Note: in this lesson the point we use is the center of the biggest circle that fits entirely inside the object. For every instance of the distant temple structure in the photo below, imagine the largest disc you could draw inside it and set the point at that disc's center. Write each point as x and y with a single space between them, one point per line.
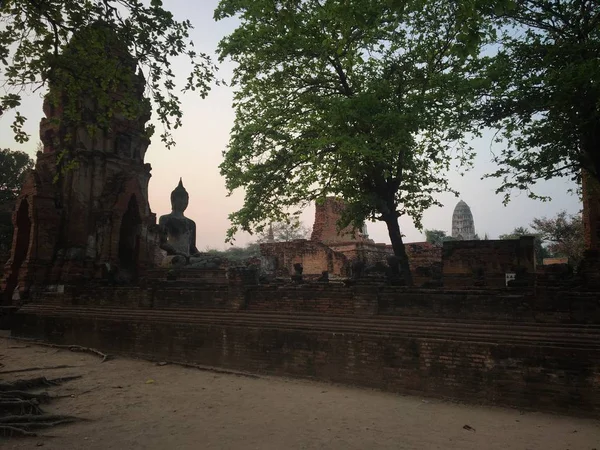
463 226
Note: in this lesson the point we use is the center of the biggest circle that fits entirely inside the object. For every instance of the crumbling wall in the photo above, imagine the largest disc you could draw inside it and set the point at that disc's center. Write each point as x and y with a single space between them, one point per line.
315 257
327 215
485 263
368 252
425 261
497 347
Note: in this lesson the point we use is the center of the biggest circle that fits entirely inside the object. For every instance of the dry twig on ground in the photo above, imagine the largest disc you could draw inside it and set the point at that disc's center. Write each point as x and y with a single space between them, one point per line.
73 348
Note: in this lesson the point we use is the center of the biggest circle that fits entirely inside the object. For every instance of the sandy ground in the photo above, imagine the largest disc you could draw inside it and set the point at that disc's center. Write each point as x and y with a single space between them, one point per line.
135 404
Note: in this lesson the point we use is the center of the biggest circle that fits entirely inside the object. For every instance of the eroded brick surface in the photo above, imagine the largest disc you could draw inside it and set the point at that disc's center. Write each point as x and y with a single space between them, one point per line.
72 225
507 347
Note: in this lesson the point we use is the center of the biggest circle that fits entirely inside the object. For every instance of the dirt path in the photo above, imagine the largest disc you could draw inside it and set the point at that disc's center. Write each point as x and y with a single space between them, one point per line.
136 404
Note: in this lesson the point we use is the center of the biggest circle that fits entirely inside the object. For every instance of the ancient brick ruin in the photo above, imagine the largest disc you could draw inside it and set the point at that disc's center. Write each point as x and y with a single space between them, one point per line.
532 349
461 263
486 263
333 250
325 228
94 217
83 261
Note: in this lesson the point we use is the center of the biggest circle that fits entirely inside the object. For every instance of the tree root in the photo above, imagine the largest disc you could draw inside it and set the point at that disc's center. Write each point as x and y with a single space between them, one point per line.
42 397
20 406
35 383
73 348
32 369
36 418
32 422
20 412
9 431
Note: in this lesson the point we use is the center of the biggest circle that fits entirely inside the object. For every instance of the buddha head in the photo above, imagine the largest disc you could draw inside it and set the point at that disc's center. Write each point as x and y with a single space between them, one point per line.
179 198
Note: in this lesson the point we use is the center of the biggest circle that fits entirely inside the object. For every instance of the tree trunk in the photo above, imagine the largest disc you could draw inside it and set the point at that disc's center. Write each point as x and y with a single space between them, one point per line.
398 246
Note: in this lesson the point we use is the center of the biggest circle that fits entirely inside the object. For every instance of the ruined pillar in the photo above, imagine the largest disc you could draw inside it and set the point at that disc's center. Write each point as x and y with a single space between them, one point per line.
590 266
325 227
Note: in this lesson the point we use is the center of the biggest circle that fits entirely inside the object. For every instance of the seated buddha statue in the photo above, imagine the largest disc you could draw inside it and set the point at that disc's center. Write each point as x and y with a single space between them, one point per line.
177 232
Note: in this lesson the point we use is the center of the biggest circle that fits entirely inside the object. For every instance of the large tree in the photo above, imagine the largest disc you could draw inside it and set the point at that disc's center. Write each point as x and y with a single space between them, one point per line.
541 252
362 100
564 234
34 34
284 231
437 237
13 166
542 90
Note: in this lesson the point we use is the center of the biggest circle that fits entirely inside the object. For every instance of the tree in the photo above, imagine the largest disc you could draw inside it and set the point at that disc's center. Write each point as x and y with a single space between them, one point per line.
237 254
13 166
283 232
437 237
361 100
541 252
565 235
542 92
37 33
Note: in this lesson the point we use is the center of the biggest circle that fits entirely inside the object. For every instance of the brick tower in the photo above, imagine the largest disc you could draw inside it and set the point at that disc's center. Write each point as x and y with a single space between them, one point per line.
73 224
325 228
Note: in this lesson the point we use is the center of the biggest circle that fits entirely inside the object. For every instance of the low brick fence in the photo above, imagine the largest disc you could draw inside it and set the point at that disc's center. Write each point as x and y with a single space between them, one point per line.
507 347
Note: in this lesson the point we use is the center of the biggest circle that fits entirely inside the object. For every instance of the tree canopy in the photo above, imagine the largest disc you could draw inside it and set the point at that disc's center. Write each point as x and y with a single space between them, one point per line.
437 237
13 167
363 100
541 251
284 231
564 234
35 34
542 90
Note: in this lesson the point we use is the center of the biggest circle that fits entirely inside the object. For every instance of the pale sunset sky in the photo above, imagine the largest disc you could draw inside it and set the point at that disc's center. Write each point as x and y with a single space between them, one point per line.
205 134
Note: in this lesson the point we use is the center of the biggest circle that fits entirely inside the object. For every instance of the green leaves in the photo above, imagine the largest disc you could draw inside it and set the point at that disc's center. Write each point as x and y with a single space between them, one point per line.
364 100
13 166
541 90
37 34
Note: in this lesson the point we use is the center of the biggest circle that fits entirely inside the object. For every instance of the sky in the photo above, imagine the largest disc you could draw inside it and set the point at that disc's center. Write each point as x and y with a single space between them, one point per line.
204 135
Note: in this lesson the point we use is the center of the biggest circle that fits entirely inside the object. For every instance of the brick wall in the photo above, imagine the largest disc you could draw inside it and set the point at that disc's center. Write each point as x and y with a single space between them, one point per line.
547 368
327 215
548 305
425 262
485 263
322 299
516 347
315 258
368 252
279 257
